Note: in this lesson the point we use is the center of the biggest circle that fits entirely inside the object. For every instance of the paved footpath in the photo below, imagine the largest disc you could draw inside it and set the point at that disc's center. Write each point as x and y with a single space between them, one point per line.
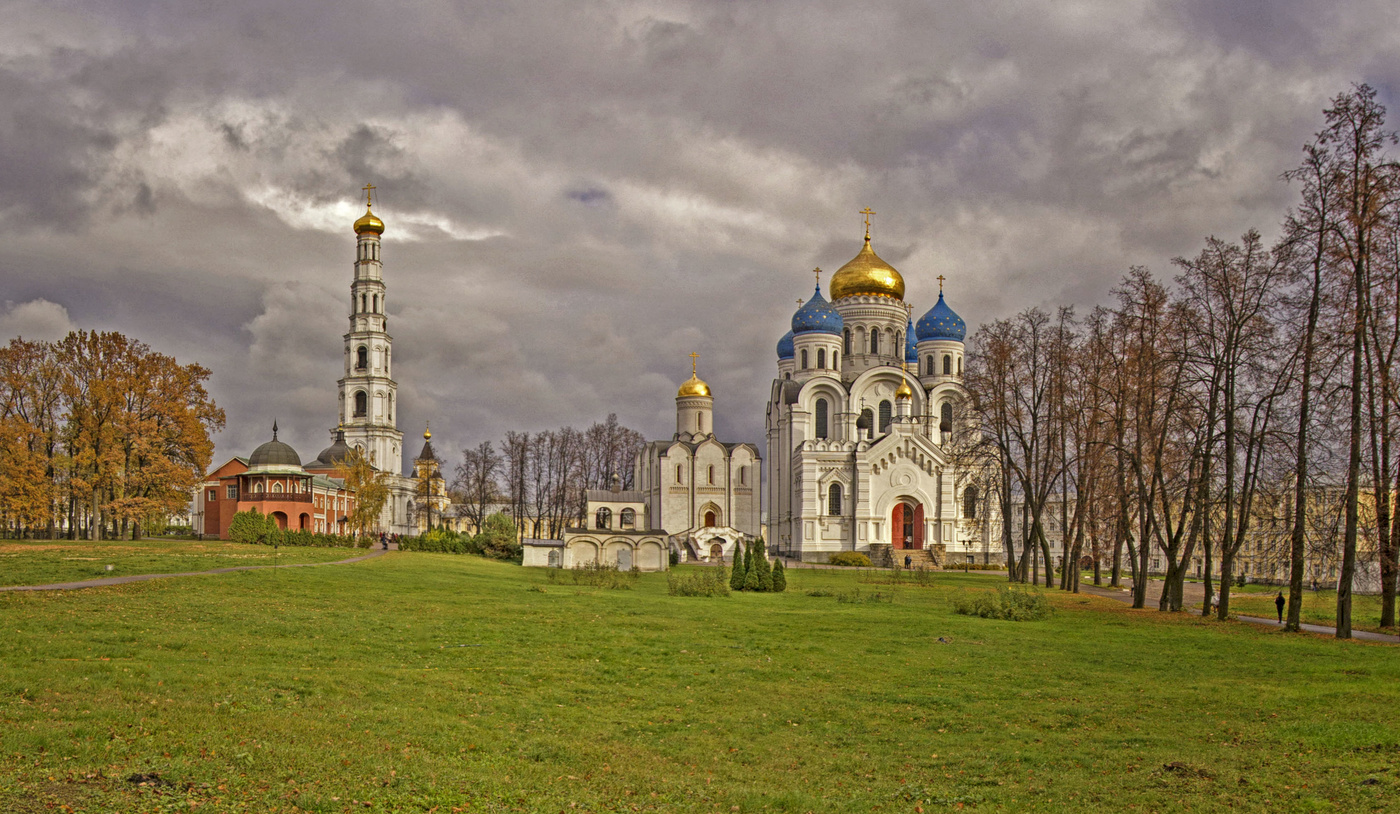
1195 594
97 583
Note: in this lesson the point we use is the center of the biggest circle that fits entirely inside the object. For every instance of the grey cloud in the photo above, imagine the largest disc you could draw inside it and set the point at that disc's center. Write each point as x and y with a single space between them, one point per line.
578 195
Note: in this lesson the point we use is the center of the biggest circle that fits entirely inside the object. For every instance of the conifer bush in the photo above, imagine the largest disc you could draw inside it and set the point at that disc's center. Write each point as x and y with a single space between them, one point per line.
737 573
779 576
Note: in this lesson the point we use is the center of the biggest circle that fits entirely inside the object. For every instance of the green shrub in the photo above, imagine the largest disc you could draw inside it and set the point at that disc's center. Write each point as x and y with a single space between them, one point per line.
702 582
751 582
599 575
249 526
779 577
737 574
499 539
1012 605
850 558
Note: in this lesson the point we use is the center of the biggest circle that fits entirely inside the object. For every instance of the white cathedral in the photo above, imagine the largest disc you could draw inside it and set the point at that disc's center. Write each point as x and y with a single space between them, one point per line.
859 425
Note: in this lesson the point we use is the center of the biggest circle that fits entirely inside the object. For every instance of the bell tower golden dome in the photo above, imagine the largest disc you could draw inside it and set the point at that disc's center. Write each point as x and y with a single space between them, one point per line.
866 274
368 222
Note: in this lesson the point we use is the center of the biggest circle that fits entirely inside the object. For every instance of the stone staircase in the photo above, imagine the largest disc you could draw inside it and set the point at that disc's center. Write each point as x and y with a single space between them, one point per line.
883 555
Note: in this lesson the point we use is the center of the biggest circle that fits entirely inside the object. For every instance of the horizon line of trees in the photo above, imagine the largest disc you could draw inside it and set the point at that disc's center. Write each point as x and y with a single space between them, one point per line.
543 477
100 436
1258 378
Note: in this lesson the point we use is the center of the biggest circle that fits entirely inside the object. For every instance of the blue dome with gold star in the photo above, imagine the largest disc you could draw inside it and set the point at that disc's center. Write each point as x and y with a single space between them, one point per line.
785 347
941 322
817 316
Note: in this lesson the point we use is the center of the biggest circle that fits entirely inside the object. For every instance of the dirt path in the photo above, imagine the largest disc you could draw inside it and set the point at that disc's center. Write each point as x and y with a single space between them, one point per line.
97 583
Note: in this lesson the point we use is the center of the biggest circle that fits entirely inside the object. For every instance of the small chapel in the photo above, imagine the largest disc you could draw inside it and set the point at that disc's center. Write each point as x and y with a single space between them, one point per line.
860 422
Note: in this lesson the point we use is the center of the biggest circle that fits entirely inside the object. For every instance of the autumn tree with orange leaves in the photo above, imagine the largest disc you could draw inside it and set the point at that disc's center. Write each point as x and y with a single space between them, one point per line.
100 430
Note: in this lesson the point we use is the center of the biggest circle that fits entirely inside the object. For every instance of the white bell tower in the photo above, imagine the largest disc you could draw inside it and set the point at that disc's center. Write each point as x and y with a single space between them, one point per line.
368 398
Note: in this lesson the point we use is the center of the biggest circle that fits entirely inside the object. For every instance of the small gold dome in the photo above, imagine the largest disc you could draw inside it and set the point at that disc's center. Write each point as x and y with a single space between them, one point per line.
867 274
369 223
427 433
904 391
693 386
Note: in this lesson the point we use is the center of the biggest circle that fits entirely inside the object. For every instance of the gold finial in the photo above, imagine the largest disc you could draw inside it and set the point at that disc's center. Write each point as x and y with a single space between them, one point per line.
941 278
369 194
427 431
799 302
867 212
693 357
818 271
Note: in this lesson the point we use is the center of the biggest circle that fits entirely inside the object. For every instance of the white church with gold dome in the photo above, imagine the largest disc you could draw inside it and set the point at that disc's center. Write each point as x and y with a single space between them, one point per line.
860 423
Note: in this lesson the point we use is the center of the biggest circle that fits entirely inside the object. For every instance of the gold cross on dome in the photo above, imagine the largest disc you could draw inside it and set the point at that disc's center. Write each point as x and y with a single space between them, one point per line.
369 194
941 278
693 357
867 212
799 302
818 271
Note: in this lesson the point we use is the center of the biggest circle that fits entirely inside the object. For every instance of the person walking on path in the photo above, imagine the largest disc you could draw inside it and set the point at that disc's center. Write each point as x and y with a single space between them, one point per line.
1279 602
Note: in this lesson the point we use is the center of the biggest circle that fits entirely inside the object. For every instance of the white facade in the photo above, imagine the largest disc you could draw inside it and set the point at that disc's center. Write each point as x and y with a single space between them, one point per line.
702 492
858 456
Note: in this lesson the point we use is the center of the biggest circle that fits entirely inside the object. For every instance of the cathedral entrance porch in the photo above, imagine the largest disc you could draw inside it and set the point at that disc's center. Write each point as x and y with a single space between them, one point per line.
907 525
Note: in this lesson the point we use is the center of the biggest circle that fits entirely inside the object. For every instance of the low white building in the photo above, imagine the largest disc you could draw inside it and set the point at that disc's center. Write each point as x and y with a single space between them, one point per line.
618 533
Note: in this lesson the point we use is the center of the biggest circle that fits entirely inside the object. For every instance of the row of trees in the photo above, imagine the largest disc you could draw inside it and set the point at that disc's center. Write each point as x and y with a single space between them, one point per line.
542 477
1261 379
99 435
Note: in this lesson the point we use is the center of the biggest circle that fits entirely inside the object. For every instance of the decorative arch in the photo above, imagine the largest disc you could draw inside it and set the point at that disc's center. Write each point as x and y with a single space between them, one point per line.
361 357
823 428
821 358
947 365
628 519
361 404
833 500
711 516
603 519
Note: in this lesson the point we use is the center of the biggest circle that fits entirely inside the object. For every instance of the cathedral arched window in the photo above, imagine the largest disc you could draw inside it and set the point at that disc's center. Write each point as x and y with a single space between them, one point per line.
679 473
375 301
959 365
970 503
712 476
804 358
874 340
929 365
362 303
629 518
947 365
743 476
898 339
361 358
886 415
833 500
945 417
835 360
867 417
603 519
699 422
277 488
845 344
822 430
361 403
821 358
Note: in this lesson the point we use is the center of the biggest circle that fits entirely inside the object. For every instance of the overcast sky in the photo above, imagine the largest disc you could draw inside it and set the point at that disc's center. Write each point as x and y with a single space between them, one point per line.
579 194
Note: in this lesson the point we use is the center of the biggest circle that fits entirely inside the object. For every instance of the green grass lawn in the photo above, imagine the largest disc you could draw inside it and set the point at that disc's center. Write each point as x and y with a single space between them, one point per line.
420 682
43 562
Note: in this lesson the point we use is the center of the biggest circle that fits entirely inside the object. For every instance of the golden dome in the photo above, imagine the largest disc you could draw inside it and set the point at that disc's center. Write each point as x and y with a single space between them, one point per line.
369 223
693 386
867 274
427 432
904 391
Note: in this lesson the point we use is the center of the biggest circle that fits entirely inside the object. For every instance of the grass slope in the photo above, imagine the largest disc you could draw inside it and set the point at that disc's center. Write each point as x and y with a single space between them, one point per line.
420 682
45 562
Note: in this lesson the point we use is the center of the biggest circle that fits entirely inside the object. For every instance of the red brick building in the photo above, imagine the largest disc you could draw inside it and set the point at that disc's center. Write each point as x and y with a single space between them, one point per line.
273 481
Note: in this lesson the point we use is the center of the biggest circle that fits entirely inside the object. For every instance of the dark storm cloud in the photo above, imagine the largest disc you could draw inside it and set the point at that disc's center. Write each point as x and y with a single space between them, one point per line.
580 194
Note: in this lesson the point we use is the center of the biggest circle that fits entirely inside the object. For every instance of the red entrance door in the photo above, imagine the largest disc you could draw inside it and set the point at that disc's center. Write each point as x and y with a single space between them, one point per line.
908 526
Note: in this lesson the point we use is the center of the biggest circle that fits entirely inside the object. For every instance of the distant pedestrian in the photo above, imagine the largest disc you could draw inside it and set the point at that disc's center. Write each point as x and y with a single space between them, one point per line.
908 560
1279 602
